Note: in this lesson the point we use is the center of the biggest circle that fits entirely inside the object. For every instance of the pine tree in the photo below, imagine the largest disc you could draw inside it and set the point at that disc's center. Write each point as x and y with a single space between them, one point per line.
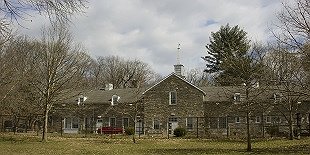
225 44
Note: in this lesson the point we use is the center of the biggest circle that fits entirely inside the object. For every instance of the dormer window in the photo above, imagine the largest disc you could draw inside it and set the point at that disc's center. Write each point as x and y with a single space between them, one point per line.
114 100
172 98
237 97
277 97
81 99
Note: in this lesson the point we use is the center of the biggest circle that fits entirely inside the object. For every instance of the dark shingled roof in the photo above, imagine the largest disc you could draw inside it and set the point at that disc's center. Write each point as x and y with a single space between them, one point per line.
128 95
219 94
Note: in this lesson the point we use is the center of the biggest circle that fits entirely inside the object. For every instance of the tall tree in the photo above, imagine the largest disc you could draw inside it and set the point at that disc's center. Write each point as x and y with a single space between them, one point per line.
225 43
247 71
58 67
288 80
291 58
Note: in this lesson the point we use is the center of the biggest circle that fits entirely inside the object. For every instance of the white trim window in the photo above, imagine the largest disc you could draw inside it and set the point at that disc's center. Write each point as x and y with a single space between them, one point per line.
277 97
268 119
172 98
257 119
125 122
112 121
190 123
71 123
237 119
222 122
156 124
114 100
81 99
237 97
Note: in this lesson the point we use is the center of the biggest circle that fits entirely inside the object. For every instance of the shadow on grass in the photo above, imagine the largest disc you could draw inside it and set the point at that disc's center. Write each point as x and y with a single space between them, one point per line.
192 151
296 149
300 149
19 139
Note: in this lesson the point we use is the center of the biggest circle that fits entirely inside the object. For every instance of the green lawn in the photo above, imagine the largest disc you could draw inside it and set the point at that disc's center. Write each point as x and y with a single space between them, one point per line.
30 144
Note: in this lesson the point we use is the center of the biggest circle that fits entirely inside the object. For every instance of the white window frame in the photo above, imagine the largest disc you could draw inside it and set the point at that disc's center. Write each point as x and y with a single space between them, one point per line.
237 119
192 123
114 100
156 120
123 122
222 122
237 97
110 121
277 97
170 98
268 119
258 119
70 122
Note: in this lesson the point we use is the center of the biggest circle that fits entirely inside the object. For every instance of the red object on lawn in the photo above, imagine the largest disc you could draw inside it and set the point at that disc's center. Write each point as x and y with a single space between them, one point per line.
110 130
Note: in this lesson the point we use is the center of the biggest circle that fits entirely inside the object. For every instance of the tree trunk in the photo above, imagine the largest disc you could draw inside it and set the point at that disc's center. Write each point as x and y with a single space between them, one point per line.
134 133
291 126
44 134
249 146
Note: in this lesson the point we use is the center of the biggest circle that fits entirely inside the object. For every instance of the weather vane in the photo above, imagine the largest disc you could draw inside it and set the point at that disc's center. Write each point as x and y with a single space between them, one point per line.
178 54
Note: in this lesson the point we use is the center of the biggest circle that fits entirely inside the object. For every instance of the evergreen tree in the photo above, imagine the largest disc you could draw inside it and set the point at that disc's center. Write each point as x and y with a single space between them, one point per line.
224 44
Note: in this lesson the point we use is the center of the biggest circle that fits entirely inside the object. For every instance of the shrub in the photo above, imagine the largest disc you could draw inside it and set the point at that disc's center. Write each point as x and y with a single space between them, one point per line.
129 131
179 132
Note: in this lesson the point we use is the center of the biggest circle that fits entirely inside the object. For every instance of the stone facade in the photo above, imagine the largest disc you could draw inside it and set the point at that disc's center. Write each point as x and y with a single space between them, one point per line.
160 112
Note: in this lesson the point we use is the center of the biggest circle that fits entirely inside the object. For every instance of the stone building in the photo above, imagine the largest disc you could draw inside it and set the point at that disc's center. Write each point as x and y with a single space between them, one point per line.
174 102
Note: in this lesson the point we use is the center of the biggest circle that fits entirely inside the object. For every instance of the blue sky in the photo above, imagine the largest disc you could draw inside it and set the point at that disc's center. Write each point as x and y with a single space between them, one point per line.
150 30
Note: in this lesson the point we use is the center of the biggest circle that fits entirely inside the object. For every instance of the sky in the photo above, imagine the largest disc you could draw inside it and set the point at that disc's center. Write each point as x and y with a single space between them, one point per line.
150 30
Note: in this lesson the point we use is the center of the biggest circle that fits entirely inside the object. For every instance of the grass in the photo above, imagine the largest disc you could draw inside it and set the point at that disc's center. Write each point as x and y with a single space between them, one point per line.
24 144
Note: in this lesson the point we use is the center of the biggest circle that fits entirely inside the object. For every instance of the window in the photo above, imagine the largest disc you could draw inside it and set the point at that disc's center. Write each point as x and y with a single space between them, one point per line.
277 97
156 124
213 122
75 123
237 119
71 123
115 99
112 121
268 119
173 119
68 123
237 97
125 122
257 119
222 122
81 99
189 123
172 97
106 121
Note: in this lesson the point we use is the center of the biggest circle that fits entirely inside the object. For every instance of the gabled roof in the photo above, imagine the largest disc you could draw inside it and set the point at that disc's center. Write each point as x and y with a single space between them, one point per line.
173 74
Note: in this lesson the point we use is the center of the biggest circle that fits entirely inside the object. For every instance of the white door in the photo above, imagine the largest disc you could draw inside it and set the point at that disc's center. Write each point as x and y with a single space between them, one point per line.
173 124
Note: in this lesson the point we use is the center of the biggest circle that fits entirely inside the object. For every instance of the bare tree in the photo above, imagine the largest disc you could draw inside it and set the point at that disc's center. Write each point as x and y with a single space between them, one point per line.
288 80
247 70
294 27
124 73
198 77
58 67
56 10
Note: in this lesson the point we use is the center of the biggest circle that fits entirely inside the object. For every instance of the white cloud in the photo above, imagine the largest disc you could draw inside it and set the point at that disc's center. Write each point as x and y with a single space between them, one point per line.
151 30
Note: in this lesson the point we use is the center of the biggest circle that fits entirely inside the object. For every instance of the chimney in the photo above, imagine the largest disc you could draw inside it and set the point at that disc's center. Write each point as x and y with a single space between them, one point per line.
179 70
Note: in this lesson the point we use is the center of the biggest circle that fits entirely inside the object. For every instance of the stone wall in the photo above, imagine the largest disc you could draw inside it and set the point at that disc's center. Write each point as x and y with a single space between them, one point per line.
156 102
